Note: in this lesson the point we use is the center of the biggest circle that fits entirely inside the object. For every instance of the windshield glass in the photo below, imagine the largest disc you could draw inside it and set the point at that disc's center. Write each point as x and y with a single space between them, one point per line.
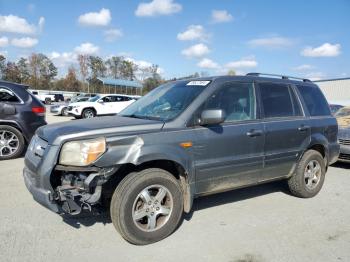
94 99
165 102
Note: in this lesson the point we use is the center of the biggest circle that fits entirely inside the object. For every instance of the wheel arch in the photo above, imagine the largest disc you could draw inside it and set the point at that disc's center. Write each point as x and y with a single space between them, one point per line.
16 125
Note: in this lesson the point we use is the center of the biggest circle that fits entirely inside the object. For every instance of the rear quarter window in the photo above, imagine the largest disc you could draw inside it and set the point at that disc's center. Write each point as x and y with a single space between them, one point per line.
314 100
8 96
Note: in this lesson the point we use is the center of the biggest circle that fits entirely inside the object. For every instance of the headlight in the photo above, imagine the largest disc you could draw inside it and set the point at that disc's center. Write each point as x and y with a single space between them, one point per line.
82 153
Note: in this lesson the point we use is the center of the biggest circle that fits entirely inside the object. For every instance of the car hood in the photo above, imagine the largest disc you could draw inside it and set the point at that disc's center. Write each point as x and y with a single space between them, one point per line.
86 103
54 134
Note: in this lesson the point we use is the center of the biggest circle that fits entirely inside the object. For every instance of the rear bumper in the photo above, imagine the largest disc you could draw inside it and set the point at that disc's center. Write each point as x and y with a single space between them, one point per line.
42 196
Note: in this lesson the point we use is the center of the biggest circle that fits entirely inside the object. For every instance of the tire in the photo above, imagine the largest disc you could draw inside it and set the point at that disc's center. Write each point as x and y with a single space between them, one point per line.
47 101
88 113
17 141
306 182
64 111
127 196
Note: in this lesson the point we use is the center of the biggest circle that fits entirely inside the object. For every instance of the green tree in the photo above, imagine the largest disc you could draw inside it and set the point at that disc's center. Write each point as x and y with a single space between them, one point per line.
71 81
231 72
97 67
114 65
127 70
23 68
12 73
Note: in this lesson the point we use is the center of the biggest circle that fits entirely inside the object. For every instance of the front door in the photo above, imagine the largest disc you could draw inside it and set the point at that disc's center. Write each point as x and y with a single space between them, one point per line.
287 131
230 155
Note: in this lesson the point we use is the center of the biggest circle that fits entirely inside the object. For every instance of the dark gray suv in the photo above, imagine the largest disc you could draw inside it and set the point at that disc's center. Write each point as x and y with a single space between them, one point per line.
21 113
183 140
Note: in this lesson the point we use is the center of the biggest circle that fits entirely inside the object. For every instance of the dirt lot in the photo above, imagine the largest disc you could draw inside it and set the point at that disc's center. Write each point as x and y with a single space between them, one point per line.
262 223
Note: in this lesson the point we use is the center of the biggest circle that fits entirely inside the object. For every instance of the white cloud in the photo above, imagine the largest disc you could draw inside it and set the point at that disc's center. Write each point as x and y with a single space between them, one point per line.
87 49
3 53
244 63
15 24
64 59
24 42
198 50
112 34
207 64
221 16
102 18
271 42
303 67
158 7
314 76
325 50
4 41
41 23
193 32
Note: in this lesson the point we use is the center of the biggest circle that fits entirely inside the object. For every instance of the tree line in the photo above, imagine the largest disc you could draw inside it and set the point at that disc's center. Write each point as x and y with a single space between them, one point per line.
39 72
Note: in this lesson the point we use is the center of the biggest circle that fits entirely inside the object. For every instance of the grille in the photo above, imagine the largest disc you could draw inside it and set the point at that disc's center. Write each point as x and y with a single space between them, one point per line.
70 108
344 142
344 156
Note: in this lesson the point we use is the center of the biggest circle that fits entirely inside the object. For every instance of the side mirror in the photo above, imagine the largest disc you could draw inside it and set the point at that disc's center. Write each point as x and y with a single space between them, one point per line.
212 117
100 101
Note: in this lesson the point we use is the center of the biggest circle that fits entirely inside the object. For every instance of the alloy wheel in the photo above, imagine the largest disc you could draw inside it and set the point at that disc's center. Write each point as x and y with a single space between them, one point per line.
9 143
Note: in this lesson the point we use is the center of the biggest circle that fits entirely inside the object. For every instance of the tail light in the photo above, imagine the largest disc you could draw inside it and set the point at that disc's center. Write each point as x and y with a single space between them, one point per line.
39 110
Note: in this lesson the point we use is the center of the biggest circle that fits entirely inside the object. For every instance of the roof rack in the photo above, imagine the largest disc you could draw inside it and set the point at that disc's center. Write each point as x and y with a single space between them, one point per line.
281 76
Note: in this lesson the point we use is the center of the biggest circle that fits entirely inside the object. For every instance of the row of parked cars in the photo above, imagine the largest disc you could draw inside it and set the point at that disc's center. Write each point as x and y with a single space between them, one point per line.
91 105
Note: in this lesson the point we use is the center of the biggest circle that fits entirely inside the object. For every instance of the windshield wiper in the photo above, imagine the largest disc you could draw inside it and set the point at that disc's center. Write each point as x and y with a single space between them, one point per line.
144 117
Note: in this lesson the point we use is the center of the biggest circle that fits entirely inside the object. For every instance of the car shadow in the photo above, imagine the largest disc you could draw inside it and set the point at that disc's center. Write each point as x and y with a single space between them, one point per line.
101 215
237 195
343 165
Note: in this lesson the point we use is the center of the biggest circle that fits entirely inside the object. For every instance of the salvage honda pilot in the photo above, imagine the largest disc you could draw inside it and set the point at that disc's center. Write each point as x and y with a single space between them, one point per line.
183 140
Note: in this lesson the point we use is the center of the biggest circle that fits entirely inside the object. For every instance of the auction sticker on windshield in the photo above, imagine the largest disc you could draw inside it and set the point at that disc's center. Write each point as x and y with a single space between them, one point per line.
198 83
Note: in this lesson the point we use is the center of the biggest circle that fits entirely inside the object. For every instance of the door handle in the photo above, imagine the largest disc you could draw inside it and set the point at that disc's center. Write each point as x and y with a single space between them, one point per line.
303 128
254 133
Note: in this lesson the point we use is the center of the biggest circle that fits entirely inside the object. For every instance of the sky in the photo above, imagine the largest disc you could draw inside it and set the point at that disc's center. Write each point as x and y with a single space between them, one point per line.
300 38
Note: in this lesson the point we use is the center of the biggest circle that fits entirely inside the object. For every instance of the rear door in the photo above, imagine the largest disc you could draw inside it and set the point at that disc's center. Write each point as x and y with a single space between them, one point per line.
287 131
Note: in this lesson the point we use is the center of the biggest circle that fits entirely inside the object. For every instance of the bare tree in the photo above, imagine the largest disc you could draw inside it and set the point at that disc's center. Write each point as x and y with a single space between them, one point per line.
84 68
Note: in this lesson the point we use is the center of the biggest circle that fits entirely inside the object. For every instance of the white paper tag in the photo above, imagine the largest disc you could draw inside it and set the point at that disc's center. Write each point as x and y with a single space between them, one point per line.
198 83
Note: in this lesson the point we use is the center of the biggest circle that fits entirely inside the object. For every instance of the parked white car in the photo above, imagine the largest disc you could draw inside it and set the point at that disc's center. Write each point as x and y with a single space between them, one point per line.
100 105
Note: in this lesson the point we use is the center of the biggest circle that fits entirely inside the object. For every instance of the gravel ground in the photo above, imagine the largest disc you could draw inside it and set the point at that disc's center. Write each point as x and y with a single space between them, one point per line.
262 223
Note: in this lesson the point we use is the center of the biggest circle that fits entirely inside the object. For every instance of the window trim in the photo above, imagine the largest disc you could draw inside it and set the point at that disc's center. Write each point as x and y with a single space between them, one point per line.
229 123
290 89
20 101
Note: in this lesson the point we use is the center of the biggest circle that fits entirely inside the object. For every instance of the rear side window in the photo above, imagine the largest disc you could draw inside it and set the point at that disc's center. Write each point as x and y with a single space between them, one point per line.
315 102
8 96
279 100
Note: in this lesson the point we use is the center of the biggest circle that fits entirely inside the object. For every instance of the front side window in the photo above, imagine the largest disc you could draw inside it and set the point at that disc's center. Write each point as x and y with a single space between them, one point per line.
278 100
315 102
236 99
8 96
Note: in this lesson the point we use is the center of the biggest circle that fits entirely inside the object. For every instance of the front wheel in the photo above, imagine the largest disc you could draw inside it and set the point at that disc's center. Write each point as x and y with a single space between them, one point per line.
309 176
147 206
64 111
88 113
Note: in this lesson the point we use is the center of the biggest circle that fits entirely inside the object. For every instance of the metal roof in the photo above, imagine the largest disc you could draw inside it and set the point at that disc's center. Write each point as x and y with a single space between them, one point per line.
119 82
333 79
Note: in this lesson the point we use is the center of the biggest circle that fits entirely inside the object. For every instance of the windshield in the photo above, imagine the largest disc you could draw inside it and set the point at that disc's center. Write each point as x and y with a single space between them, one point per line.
94 99
165 102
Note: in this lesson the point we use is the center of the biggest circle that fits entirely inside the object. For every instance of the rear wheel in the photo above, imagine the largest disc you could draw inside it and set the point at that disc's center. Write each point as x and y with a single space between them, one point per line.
88 113
11 143
147 206
309 176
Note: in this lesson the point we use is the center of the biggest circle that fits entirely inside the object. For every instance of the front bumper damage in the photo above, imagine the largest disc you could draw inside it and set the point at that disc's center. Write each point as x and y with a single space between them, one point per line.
72 191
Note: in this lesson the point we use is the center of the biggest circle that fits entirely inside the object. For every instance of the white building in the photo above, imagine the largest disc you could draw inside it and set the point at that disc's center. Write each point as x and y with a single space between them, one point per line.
337 91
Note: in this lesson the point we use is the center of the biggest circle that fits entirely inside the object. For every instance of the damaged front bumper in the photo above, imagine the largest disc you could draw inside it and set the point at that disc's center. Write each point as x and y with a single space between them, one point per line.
75 190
